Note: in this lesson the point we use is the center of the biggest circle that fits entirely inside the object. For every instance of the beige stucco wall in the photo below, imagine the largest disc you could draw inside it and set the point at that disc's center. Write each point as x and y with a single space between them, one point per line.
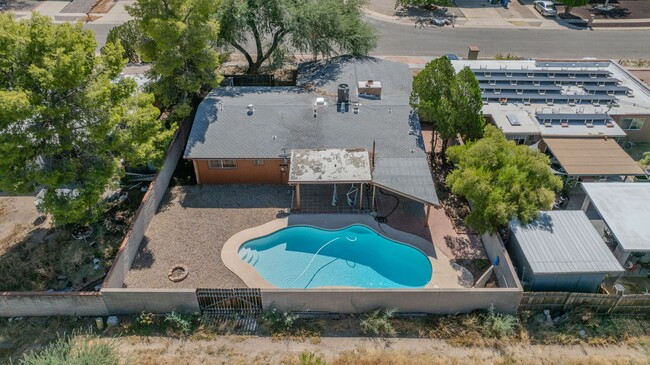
24 304
124 300
435 301
641 135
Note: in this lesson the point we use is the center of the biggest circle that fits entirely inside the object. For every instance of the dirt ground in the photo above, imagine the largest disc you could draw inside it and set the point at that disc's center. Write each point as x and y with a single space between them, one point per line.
191 226
18 216
355 350
36 256
622 9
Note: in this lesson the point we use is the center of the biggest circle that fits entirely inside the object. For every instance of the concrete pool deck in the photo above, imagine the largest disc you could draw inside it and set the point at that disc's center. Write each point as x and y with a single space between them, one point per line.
445 274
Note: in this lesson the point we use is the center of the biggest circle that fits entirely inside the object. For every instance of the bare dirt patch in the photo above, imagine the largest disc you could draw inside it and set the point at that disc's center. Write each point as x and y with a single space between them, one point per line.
36 256
621 9
103 6
18 216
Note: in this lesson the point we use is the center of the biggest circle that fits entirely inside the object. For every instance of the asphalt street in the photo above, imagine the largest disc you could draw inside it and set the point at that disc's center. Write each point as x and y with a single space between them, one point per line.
405 40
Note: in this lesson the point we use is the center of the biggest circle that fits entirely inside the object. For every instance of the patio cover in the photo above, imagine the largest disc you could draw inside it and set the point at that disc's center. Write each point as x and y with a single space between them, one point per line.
592 157
625 208
317 166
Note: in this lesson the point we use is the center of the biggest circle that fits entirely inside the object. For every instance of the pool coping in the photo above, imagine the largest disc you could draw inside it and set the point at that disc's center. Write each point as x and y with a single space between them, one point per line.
253 279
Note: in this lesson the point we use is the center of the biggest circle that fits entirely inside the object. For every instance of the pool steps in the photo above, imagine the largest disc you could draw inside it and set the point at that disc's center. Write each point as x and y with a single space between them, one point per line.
248 255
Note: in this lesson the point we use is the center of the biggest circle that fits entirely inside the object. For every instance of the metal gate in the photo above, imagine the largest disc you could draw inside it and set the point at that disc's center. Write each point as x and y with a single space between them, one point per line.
229 302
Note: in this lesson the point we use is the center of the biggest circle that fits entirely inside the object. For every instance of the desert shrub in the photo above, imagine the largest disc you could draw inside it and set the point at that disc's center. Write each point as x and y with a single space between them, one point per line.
64 351
178 322
378 322
310 358
279 322
146 319
499 325
508 56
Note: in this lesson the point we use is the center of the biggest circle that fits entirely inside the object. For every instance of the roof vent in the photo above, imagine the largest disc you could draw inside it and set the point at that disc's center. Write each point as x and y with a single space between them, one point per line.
370 88
343 95
250 109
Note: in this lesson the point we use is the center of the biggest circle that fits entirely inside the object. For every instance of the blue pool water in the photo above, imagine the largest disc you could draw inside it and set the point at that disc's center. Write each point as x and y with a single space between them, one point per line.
357 256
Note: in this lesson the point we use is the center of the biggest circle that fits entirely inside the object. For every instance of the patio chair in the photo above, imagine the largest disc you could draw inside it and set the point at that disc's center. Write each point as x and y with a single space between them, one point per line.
352 200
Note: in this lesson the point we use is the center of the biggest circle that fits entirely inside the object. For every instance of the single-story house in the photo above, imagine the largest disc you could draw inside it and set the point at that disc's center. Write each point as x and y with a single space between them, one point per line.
534 99
623 209
347 122
560 251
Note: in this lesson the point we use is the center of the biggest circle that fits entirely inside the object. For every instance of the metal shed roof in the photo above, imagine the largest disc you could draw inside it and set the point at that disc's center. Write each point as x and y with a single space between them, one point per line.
564 242
592 157
625 207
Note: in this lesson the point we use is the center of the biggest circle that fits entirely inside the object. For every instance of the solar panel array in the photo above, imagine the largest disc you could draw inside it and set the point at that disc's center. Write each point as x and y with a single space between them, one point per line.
543 86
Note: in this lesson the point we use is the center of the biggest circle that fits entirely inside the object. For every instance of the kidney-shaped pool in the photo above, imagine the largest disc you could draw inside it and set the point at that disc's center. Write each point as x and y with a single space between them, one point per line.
356 256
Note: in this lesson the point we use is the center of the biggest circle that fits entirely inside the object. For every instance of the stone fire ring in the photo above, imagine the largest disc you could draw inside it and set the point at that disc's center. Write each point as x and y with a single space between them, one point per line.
181 277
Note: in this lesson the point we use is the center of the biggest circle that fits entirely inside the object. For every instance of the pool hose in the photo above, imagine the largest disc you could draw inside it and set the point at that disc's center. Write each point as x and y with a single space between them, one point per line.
384 219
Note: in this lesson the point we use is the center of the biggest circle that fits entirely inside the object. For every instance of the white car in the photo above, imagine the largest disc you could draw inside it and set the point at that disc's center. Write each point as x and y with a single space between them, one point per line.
546 8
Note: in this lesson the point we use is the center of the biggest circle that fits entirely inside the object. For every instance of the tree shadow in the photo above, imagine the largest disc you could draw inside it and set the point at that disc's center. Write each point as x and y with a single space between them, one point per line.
615 13
465 247
144 259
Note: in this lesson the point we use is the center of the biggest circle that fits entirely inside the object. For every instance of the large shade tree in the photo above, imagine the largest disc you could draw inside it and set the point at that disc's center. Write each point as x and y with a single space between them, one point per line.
451 102
178 40
502 180
67 121
271 27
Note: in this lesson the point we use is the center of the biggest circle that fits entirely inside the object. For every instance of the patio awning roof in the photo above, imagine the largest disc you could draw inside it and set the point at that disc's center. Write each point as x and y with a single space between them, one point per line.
625 207
592 157
317 166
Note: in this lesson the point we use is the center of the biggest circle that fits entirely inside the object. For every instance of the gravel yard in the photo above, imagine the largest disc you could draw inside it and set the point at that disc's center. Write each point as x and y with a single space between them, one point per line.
191 226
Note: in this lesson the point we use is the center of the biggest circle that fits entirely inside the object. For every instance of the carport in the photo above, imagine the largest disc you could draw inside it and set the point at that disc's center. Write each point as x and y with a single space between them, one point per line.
591 157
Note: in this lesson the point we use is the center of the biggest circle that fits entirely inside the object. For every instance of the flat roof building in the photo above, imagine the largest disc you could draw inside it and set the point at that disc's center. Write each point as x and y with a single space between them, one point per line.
562 99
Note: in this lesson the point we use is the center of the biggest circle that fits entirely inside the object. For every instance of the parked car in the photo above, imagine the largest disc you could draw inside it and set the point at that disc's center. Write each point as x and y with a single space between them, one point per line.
546 8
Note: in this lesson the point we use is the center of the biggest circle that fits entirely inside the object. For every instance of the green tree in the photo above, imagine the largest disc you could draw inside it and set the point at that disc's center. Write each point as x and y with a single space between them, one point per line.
422 3
452 102
66 119
320 27
502 180
179 38
570 4
646 159
131 38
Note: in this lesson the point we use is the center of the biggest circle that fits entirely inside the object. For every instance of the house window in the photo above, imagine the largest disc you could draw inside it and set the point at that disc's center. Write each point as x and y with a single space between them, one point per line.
632 123
222 164
258 162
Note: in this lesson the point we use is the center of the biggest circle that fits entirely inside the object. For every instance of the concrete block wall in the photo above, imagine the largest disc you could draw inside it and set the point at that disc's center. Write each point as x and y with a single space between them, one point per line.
505 271
435 301
125 300
146 211
25 304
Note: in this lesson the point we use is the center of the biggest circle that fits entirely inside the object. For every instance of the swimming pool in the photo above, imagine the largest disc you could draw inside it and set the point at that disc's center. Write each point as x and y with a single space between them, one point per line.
356 256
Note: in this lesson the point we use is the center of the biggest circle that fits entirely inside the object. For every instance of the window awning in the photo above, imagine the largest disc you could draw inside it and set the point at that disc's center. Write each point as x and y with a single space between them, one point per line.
592 157
317 166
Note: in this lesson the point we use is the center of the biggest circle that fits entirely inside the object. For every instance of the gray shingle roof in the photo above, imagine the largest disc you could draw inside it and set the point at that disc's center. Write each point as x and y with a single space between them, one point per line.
283 119
564 242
